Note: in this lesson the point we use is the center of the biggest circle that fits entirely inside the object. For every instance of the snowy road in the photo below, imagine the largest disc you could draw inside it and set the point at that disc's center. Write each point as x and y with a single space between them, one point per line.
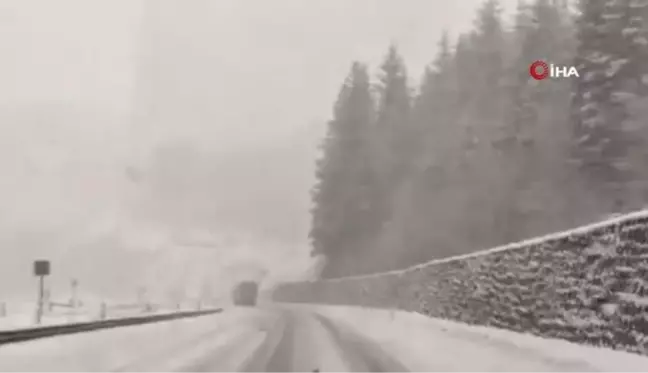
301 338
270 339
309 342
165 346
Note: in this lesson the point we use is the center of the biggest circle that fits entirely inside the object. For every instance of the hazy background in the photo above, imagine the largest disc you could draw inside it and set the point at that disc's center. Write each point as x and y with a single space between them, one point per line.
171 143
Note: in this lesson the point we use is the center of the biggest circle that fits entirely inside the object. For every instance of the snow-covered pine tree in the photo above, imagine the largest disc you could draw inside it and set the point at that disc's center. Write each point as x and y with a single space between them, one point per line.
398 146
342 215
395 129
599 142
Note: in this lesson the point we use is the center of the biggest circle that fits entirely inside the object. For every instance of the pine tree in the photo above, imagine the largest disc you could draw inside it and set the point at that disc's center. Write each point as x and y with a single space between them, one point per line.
433 111
480 64
343 216
610 60
489 45
534 120
466 67
513 140
629 22
485 109
395 130
398 145
522 111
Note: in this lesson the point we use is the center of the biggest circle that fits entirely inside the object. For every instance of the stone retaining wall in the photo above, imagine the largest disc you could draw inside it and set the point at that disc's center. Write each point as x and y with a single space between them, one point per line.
588 285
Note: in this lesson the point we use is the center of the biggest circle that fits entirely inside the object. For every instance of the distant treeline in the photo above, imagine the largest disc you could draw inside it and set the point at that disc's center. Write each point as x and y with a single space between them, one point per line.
479 153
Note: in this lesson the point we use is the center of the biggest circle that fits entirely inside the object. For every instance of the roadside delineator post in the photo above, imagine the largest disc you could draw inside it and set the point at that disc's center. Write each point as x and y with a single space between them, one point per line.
74 286
103 311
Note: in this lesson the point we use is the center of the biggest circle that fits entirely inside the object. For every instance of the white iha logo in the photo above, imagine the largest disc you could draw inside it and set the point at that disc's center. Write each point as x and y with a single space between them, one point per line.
540 70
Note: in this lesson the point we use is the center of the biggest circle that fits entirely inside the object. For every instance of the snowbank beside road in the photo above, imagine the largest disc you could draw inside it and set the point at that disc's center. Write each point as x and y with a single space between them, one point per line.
27 320
429 344
23 315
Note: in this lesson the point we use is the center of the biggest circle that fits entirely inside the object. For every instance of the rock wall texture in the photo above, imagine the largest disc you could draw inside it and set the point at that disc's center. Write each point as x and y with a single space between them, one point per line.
588 285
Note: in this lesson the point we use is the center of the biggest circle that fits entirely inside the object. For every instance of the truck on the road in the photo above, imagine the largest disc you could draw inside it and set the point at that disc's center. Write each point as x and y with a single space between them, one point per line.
245 293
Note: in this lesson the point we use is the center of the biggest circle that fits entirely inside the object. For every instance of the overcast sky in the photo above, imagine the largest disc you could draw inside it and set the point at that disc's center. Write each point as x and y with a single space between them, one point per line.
84 50
229 75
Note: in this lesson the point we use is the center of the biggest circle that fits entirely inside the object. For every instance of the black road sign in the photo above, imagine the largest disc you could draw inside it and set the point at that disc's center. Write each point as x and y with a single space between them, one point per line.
41 267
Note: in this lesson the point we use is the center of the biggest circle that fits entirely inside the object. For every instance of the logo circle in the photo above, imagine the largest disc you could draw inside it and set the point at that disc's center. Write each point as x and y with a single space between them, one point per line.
533 70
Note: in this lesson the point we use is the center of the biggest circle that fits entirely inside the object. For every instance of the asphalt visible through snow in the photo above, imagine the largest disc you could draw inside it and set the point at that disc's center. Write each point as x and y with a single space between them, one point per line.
302 341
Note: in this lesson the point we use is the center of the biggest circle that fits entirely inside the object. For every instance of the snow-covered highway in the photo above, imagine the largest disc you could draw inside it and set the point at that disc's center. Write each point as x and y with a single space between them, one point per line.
306 338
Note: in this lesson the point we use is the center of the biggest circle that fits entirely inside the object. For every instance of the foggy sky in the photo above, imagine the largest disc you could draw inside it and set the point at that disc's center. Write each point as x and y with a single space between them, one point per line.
267 71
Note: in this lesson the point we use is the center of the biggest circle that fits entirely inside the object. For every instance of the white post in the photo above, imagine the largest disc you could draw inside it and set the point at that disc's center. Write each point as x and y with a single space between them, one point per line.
73 293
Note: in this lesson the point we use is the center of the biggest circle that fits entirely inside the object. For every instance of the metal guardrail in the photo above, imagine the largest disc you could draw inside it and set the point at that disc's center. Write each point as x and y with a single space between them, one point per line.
22 335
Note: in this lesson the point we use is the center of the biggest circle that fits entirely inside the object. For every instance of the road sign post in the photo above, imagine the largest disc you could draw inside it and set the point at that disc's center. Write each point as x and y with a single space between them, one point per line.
41 269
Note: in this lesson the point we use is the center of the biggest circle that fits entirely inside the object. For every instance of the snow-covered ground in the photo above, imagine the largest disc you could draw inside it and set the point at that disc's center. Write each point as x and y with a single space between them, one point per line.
165 346
23 314
420 343
427 344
